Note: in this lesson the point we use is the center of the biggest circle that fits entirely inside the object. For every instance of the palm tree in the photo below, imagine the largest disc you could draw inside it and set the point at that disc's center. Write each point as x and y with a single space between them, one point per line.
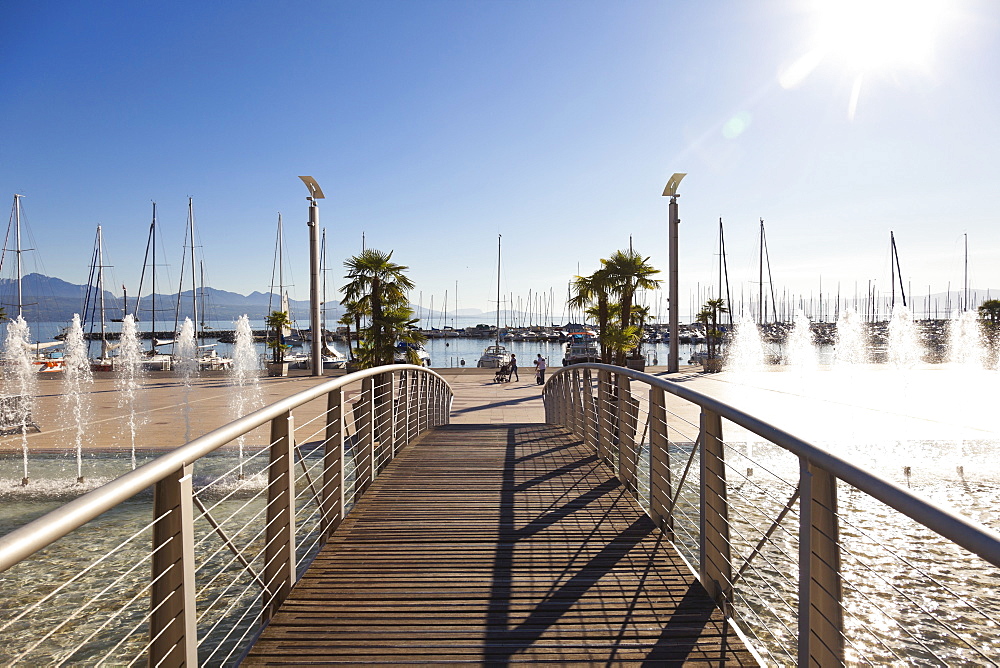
353 313
277 322
400 320
377 284
709 316
594 291
627 272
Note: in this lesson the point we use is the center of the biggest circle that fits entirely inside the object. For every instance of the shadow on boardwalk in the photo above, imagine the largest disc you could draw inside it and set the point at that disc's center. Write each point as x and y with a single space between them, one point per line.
498 544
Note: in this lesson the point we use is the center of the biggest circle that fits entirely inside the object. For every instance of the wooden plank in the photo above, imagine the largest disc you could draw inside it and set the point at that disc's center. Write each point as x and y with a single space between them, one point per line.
497 544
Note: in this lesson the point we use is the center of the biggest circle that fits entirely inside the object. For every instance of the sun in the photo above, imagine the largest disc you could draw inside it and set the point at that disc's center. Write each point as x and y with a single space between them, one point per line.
871 35
865 37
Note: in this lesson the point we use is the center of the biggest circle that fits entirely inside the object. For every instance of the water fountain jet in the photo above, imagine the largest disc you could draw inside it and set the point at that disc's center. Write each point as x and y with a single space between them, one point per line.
186 363
78 378
19 373
128 375
244 376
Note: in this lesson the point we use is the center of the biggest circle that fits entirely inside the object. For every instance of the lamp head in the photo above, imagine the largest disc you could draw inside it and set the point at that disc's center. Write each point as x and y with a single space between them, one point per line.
314 190
671 188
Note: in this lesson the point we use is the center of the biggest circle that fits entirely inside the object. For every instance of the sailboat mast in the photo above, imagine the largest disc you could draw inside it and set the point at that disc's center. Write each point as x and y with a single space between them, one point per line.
322 265
194 276
499 237
896 271
17 252
152 331
966 271
724 271
892 267
100 290
281 262
760 279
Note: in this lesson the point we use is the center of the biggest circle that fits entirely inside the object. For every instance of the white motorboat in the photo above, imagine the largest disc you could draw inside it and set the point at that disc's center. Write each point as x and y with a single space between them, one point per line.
333 359
581 348
402 354
493 357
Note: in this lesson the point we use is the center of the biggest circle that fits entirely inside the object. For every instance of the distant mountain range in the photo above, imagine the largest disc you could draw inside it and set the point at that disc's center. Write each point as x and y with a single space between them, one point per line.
49 299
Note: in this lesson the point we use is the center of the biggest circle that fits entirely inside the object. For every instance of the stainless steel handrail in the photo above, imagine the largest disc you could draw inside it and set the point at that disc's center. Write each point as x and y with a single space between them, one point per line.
972 536
28 539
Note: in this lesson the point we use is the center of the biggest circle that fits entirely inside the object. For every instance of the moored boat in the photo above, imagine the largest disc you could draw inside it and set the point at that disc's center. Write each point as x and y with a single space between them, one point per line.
581 348
493 357
405 352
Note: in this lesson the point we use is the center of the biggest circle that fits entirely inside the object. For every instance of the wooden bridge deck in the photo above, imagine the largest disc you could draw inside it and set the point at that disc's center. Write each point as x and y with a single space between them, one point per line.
498 544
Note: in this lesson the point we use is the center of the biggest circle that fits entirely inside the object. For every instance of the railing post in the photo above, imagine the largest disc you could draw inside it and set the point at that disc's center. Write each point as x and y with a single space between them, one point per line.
432 402
821 618
279 549
421 401
449 402
589 419
660 487
333 464
566 400
392 417
365 462
173 627
382 419
575 414
604 415
551 395
716 564
628 409
412 383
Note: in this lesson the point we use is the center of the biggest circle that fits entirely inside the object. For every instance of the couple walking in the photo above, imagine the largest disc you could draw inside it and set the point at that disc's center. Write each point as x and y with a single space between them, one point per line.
539 369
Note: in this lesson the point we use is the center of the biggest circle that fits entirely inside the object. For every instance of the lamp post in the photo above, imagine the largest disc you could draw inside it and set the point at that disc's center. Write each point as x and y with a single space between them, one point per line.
673 364
315 193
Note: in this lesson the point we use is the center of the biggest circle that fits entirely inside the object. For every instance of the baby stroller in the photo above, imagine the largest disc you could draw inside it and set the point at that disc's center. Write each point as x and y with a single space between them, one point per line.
503 374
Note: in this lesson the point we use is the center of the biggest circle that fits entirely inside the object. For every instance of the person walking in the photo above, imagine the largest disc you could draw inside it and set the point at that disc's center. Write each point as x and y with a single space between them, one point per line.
513 369
539 370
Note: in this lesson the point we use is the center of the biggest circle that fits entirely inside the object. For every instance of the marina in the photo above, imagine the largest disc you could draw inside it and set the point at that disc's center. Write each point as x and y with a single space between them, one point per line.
511 387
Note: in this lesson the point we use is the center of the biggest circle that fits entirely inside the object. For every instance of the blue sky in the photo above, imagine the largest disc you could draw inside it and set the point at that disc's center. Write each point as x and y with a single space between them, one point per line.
433 126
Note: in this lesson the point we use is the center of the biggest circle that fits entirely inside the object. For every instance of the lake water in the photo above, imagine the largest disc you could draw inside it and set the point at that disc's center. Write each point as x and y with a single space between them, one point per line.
445 353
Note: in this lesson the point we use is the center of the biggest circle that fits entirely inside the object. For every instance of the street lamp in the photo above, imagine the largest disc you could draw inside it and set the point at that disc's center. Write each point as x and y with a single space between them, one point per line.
315 193
673 364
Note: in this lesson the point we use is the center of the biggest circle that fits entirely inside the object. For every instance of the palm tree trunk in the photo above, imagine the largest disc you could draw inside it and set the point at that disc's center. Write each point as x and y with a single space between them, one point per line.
602 320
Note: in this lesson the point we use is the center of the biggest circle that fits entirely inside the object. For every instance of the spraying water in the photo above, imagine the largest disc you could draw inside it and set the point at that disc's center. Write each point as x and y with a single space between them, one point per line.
802 354
128 376
905 346
20 376
186 363
244 376
746 353
78 380
965 344
851 347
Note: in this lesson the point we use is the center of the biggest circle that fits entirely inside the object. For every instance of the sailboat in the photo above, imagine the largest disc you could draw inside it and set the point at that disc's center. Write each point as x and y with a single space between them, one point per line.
495 356
44 358
332 359
208 358
153 359
94 307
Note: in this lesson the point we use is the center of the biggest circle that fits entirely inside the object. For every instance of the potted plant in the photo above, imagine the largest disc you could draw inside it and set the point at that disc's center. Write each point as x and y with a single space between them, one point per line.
709 316
277 322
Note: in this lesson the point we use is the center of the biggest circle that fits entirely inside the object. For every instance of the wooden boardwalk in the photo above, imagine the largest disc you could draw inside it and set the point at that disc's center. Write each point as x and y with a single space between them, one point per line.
495 544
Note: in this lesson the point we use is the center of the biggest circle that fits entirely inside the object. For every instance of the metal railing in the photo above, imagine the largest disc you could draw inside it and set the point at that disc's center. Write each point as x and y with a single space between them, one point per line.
190 573
815 560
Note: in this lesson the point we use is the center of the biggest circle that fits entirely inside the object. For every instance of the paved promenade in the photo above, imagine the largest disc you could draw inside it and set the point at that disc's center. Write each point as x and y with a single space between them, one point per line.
168 413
